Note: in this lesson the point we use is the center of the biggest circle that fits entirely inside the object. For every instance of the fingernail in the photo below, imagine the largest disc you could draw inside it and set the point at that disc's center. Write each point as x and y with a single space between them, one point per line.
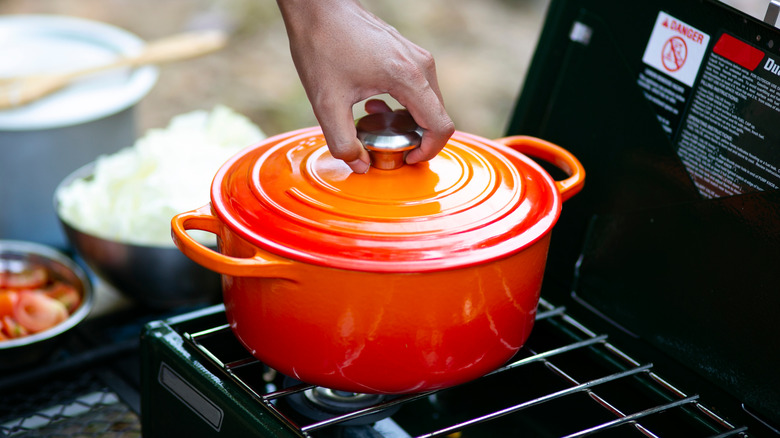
358 166
411 157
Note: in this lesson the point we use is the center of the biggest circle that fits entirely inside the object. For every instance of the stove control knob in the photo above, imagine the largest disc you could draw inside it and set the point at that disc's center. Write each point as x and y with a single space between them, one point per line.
388 137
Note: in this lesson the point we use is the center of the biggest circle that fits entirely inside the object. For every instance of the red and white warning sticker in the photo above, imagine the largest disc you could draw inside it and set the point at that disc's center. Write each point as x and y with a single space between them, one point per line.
676 48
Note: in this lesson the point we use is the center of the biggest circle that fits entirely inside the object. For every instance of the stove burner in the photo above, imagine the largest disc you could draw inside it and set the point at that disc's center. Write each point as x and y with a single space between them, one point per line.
339 400
320 404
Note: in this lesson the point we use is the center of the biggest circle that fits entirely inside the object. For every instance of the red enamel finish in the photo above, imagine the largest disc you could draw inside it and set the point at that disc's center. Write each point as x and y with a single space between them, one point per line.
364 309
388 333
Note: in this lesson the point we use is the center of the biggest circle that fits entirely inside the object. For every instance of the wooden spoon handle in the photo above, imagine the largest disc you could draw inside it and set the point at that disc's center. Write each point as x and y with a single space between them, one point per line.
173 48
23 90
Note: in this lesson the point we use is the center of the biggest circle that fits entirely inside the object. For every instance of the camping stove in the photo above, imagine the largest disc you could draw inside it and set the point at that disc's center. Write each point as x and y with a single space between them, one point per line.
666 261
568 380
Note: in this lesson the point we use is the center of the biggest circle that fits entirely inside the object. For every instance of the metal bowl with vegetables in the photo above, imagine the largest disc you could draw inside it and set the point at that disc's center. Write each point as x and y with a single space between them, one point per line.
116 211
43 295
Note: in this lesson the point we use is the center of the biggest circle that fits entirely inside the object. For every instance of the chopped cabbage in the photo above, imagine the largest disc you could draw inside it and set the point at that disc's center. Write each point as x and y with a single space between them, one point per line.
134 193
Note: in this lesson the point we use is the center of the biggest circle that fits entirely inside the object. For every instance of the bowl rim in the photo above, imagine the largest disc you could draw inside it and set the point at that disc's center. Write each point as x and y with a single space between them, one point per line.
82 173
87 302
112 99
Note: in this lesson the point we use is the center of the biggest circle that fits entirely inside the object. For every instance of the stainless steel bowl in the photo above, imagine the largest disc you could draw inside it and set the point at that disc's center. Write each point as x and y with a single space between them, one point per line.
159 277
33 348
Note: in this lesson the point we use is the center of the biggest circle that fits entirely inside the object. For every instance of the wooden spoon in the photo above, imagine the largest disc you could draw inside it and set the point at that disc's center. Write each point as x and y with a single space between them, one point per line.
17 91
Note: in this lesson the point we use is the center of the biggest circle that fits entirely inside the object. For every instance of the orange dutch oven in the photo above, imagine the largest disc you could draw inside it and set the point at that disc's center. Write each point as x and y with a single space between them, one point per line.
393 281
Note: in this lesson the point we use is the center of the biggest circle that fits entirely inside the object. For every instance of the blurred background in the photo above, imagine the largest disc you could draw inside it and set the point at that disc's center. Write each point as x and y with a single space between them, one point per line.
482 50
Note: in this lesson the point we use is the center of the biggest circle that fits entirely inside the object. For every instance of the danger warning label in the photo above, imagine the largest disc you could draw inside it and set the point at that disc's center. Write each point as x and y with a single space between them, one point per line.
672 58
723 127
676 48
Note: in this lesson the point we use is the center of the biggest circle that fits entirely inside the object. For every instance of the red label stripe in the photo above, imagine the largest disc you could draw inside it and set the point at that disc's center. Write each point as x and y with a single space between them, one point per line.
738 52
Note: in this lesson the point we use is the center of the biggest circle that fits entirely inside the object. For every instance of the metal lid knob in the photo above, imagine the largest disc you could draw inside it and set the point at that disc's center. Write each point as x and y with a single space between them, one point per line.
388 137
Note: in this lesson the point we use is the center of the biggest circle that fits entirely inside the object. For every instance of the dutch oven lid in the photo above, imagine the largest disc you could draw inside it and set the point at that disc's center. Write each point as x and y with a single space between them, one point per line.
476 201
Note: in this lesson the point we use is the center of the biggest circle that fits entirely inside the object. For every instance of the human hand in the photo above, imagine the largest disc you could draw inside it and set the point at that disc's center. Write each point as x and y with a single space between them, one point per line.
344 54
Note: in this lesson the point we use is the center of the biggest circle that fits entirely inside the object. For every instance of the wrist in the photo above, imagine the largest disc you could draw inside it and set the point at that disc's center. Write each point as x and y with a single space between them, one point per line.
311 9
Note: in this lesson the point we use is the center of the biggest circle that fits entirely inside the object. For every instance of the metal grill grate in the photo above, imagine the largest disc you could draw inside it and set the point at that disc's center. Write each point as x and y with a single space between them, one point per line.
567 380
76 407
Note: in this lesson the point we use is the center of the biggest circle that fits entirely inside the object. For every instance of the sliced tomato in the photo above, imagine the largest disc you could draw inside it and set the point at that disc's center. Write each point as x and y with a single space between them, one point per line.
12 328
64 293
37 312
30 278
8 299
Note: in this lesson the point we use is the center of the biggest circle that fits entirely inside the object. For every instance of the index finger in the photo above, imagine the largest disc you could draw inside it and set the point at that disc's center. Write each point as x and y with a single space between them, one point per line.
422 98
338 128
436 124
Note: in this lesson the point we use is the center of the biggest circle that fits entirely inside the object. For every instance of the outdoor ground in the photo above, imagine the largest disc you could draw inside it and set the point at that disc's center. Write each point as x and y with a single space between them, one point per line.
482 49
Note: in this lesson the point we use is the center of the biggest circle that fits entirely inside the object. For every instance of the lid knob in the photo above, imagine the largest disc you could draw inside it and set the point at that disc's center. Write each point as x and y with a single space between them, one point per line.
388 137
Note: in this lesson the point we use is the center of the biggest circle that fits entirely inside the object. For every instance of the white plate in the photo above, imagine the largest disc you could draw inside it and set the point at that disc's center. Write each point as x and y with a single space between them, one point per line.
48 43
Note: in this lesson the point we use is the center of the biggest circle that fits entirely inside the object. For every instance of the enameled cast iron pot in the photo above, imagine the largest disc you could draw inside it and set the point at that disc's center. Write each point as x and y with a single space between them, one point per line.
393 281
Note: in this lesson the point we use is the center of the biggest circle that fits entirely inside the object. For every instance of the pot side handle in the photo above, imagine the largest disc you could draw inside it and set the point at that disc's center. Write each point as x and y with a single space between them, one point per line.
555 155
260 264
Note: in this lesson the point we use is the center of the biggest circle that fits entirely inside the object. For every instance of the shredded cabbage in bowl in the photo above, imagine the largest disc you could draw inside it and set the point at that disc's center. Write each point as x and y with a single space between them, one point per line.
133 193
